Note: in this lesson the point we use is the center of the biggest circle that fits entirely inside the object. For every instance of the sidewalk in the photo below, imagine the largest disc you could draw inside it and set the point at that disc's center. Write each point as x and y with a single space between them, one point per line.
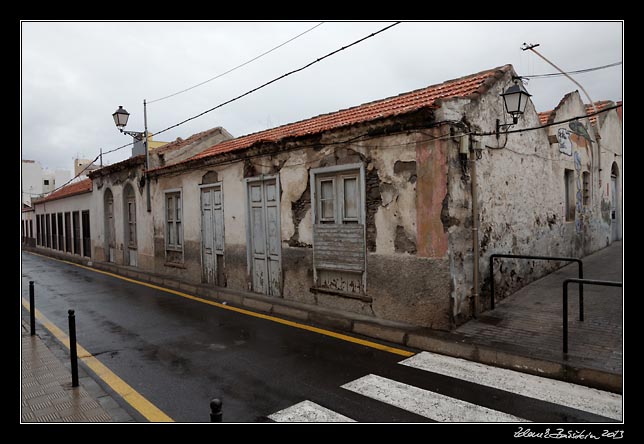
47 394
529 322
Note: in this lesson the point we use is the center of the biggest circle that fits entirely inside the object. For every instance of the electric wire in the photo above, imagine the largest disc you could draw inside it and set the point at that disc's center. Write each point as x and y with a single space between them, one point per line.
236 67
580 71
277 78
241 95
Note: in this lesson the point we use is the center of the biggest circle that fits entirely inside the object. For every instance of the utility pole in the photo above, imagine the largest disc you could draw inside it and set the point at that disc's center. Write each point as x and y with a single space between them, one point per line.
531 47
147 154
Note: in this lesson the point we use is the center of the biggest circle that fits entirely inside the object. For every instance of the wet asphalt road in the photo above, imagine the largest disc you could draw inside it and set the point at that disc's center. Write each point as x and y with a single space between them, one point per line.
180 353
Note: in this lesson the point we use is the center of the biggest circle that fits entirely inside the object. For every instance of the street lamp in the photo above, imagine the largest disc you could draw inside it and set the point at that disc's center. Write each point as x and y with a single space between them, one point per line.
515 99
121 117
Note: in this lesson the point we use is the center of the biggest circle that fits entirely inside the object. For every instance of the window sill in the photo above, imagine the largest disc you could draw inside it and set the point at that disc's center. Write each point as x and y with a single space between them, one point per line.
174 265
360 297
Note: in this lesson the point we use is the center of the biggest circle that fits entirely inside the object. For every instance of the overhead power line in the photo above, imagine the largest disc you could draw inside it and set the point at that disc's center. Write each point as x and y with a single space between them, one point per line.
238 97
236 67
277 78
581 71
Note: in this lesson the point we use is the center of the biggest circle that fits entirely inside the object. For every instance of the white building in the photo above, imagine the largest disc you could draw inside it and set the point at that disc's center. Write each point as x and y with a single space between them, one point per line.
38 181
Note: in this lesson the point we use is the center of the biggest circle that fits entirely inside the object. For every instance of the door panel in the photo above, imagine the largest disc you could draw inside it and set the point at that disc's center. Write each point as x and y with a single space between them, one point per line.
212 235
613 208
265 237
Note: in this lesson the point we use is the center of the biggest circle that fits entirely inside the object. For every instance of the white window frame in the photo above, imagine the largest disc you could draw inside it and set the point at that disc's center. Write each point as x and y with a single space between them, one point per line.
334 174
178 231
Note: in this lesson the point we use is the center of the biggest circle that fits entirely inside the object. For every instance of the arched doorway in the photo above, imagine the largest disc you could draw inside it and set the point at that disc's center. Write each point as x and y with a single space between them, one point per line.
110 236
615 213
129 216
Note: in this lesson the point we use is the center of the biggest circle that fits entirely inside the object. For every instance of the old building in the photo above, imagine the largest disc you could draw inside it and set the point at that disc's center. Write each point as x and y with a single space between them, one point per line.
122 226
588 148
63 220
369 209
386 209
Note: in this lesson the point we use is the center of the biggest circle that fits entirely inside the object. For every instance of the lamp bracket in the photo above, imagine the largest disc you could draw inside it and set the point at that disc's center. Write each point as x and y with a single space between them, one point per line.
136 134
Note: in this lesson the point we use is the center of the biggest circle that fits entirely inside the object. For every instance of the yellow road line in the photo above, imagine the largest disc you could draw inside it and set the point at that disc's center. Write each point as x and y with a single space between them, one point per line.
343 337
151 412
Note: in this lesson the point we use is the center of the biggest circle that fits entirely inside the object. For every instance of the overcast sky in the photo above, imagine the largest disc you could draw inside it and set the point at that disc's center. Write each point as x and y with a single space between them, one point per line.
76 74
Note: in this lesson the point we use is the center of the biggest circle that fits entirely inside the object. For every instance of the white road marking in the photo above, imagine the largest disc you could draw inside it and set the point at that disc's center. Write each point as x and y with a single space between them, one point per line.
307 411
558 392
425 403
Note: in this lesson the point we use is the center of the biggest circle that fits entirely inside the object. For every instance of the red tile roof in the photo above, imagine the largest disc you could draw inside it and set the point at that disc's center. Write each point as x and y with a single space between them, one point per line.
428 97
179 143
545 115
84 186
600 106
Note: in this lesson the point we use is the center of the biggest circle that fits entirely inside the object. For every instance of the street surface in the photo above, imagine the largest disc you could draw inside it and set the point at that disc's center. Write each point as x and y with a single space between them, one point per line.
180 353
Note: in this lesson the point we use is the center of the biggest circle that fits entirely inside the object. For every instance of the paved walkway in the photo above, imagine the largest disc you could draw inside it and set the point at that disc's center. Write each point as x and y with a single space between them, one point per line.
529 322
47 394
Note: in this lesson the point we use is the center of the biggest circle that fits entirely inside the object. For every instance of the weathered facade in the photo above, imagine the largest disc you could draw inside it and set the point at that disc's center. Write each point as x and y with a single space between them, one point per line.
63 220
369 210
123 214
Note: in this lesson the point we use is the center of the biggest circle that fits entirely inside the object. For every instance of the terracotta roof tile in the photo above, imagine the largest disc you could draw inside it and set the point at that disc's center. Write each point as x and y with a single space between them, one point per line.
84 186
600 106
545 116
179 143
404 103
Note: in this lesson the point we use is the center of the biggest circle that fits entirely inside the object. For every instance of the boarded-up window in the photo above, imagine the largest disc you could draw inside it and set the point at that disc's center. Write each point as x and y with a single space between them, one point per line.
174 233
87 237
38 230
77 232
54 233
47 232
586 187
68 233
569 183
338 231
61 232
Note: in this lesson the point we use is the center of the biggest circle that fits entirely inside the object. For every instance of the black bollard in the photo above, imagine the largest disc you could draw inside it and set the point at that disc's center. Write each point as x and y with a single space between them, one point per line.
72 347
32 308
215 410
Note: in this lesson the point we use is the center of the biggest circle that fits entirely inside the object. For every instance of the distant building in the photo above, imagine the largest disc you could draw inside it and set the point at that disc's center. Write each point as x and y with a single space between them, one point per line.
38 181
82 167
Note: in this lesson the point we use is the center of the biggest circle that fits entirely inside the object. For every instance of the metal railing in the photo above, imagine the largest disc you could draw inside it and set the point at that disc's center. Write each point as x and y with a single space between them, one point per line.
543 258
581 302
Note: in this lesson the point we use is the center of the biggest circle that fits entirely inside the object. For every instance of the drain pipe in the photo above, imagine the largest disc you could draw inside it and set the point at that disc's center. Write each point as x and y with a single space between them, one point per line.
475 229
467 147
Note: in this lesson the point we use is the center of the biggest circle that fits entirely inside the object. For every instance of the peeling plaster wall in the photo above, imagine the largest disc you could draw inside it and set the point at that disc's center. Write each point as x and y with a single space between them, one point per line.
521 200
401 285
116 182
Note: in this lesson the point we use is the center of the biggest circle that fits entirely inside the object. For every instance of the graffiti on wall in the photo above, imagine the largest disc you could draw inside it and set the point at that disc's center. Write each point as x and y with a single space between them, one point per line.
565 144
579 129
578 195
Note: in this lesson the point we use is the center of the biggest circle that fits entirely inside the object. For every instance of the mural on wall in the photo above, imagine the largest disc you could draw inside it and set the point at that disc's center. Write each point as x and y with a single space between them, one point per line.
565 144
579 129
578 196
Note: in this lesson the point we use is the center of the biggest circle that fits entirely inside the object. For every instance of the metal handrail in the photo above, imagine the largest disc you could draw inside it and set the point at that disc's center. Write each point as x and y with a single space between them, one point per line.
545 258
581 305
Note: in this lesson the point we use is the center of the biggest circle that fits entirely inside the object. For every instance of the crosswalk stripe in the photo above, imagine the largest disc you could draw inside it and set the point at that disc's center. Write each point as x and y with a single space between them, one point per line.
550 390
307 411
423 402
